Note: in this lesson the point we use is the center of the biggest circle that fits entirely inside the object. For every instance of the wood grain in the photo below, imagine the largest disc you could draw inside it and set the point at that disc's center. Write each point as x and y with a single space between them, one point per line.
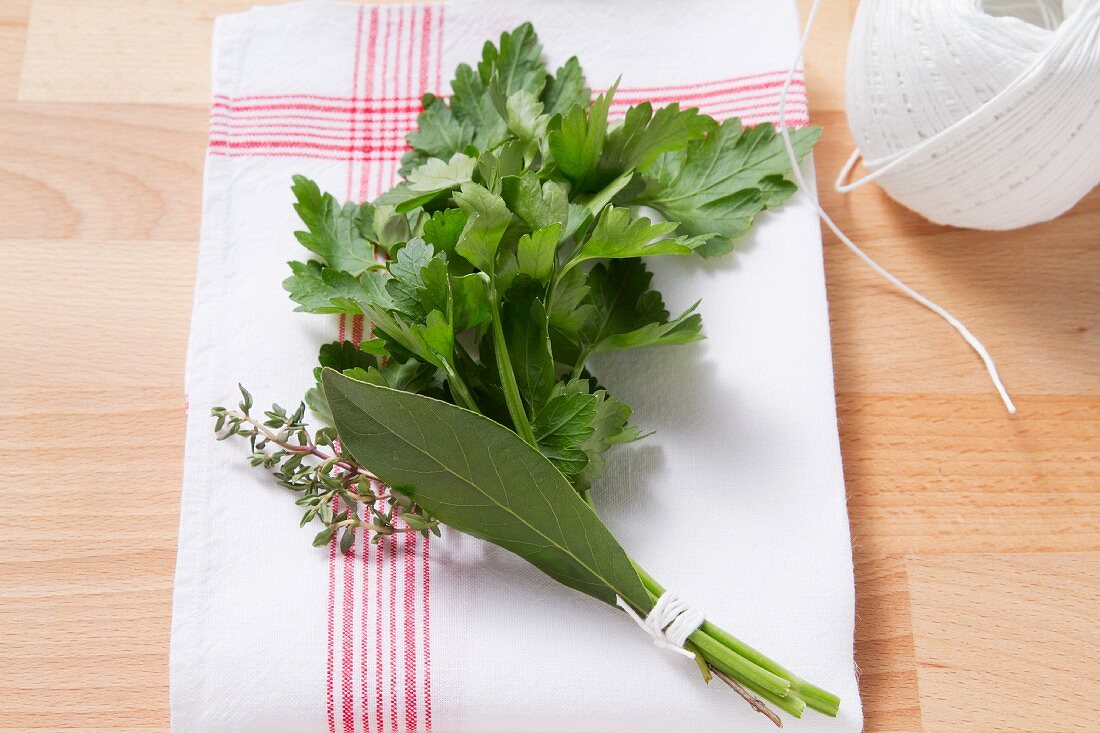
1044 602
976 534
93 173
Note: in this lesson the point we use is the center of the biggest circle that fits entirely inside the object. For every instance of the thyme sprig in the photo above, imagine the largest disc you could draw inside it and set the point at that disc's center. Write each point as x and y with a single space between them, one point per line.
332 487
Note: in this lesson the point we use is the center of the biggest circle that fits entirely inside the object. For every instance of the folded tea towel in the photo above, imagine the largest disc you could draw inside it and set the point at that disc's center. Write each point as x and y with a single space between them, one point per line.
736 501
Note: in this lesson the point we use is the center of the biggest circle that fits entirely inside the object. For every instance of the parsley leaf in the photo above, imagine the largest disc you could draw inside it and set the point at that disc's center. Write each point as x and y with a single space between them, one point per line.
439 133
515 65
487 219
406 278
526 331
629 315
576 140
465 299
644 135
564 424
334 232
569 310
388 228
535 253
429 182
526 121
319 289
617 235
609 428
470 297
717 185
346 358
566 89
442 230
538 204
437 337
439 175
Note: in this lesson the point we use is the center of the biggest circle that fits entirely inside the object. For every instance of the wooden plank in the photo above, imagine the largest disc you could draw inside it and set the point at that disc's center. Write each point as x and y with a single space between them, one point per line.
884 641
1007 642
933 474
122 51
115 313
1028 295
13 36
96 173
86 568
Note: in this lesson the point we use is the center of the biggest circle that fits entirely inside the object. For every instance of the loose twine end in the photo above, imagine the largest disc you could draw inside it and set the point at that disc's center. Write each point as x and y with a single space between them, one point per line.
841 185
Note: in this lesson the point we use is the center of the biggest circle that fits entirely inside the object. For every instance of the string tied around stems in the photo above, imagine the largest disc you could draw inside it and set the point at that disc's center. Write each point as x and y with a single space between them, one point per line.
670 622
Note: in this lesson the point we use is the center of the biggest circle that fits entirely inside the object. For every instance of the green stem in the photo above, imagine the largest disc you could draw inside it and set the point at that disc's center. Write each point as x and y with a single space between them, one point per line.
507 376
578 367
738 667
746 665
459 388
728 661
790 704
815 697
569 265
719 660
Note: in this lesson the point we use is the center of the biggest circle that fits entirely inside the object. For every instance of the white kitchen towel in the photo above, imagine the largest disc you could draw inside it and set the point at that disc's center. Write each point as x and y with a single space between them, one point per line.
736 502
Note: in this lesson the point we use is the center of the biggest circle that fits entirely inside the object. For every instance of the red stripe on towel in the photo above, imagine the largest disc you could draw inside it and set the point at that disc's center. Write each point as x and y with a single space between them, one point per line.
409 554
373 133
297 144
329 697
379 551
355 90
687 88
375 107
305 154
347 692
426 594
347 698
633 96
392 562
425 47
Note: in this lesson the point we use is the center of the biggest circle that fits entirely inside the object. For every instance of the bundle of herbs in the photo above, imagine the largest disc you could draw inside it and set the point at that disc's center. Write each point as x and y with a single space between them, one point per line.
511 253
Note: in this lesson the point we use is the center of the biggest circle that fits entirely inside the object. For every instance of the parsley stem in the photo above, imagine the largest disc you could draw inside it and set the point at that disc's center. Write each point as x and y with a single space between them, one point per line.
774 688
578 367
507 376
814 697
459 388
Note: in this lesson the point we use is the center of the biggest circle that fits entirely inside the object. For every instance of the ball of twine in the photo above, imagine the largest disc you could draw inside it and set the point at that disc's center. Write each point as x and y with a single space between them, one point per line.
977 113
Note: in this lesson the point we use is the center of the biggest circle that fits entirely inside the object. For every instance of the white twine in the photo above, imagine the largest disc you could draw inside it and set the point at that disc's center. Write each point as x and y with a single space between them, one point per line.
670 622
943 174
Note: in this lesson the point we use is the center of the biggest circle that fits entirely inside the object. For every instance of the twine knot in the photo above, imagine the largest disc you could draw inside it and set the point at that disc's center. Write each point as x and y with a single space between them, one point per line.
670 622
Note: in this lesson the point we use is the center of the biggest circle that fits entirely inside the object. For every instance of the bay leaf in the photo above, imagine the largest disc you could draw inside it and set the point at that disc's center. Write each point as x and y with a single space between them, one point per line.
479 477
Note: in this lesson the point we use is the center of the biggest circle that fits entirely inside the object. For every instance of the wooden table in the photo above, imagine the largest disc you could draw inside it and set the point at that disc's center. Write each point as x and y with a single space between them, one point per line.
977 534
